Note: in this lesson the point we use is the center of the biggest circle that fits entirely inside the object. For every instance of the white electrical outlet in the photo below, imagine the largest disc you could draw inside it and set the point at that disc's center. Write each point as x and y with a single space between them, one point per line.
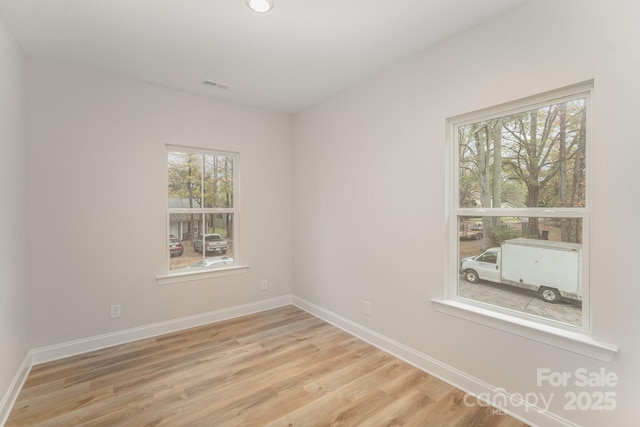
264 285
116 311
366 307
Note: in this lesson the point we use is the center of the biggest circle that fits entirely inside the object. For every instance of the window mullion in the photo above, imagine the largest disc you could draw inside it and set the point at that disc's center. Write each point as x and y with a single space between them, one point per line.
524 212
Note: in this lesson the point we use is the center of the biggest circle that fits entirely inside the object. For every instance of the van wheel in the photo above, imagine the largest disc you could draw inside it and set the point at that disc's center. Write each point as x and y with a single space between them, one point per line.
471 276
550 295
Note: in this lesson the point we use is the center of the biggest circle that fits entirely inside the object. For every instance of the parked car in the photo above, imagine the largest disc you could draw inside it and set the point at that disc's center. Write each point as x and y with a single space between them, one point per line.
465 234
477 226
175 247
212 243
216 261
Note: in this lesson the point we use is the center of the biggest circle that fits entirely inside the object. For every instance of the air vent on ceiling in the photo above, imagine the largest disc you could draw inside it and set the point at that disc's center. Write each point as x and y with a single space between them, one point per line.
216 84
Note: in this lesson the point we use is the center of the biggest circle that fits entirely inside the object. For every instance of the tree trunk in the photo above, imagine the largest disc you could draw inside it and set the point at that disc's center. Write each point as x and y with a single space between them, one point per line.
534 196
484 154
492 222
483 167
562 177
533 183
578 190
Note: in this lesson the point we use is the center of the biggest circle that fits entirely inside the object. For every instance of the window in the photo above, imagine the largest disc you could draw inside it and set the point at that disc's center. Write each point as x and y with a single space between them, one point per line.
202 212
520 209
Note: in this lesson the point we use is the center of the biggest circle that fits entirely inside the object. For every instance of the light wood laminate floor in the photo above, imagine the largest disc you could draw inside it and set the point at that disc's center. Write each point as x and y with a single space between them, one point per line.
282 367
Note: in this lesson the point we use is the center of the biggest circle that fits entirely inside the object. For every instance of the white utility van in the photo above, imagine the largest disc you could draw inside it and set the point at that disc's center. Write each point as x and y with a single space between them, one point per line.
554 269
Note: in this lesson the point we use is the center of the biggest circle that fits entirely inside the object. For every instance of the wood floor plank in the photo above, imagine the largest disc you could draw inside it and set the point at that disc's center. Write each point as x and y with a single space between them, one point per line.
281 367
408 409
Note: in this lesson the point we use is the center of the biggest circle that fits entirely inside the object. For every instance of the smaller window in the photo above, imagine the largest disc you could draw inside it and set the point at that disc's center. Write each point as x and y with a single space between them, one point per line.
202 209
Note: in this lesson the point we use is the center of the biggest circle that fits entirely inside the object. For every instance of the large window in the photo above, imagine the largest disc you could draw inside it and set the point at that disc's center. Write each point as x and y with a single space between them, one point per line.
202 218
520 208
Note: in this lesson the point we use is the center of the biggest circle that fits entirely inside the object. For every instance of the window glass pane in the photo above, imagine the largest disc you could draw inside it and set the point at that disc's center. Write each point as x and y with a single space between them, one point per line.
216 245
531 159
186 241
220 227
185 180
218 181
528 264
183 230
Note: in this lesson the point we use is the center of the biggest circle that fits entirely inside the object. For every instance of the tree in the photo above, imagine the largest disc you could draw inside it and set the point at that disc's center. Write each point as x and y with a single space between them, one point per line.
573 231
529 152
489 224
219 191
185 180
481 159
536 157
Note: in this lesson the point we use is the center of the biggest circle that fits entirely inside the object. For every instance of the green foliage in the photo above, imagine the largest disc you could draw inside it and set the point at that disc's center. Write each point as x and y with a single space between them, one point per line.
541 155
200 180
185 173
503 232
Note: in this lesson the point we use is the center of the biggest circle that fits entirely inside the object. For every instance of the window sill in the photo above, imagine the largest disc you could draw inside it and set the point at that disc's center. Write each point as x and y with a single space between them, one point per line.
168 279
574 341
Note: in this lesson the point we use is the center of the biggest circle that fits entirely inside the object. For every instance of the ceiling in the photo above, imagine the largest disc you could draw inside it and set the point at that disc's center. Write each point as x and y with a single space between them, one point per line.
300 53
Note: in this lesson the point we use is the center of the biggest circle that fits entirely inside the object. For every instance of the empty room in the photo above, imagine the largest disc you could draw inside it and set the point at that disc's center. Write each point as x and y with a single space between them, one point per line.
305 212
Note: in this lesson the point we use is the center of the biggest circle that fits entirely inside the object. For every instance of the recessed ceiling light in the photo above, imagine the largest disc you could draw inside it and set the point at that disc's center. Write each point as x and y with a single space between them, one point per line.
260 6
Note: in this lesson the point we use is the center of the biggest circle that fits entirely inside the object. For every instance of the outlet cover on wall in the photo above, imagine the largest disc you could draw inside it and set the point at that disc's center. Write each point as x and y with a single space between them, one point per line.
264 285
366 307
116 311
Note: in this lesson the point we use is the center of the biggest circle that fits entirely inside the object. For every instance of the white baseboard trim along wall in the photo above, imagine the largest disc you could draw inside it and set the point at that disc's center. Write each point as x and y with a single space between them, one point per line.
11 395
513 405
73 348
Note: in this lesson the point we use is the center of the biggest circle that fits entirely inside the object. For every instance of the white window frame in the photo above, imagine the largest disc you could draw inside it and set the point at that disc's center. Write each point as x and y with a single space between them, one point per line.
177 276
578 339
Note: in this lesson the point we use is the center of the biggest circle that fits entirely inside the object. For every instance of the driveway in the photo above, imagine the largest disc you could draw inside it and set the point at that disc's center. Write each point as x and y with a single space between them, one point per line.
521 300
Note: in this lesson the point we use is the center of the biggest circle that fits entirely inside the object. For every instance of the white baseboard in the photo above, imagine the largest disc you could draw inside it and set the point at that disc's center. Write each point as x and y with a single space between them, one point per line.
513 404
11 395
72 348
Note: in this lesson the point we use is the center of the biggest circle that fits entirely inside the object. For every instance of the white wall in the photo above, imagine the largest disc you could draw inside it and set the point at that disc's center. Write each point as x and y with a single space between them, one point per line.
14 338
97 220
369 192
